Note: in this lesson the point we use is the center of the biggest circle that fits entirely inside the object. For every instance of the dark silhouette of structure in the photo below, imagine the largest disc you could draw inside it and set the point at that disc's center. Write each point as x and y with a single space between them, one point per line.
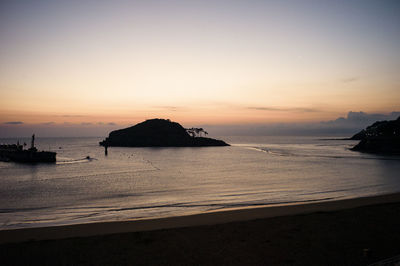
16 153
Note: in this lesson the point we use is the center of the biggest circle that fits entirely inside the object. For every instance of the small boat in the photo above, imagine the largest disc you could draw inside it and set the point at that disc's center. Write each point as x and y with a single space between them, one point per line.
17 153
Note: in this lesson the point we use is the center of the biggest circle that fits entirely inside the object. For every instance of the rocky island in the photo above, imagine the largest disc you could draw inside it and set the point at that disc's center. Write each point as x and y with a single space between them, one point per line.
381 137
159 133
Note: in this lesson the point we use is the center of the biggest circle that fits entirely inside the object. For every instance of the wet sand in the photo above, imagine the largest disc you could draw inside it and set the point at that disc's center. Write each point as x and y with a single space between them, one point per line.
346 232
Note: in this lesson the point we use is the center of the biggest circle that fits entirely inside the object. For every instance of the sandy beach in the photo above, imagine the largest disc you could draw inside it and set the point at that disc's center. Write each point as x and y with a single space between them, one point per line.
207 218
351 231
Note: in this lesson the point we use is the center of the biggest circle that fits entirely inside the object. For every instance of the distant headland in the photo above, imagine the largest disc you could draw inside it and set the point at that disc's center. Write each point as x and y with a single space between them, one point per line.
381 137
159 133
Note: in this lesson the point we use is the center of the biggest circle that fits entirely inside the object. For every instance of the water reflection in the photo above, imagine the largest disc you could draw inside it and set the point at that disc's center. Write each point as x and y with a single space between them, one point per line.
147 182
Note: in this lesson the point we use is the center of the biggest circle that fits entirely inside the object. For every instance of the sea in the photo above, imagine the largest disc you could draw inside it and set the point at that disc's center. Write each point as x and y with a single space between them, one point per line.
85 185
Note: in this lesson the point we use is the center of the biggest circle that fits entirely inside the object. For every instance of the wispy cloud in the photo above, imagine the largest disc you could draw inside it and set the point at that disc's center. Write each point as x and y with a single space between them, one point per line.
350 79
14 123
168 108
108 124
73 116
48 123
283 109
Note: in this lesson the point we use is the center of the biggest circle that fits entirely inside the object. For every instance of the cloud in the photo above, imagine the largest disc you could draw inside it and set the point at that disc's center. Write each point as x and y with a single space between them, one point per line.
86 124
350 79
168 108
282 109
48 123
14 123
361 119
73 116
342 126
108 124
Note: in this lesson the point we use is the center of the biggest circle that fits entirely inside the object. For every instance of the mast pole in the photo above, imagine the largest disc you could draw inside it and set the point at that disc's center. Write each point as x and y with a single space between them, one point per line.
33 141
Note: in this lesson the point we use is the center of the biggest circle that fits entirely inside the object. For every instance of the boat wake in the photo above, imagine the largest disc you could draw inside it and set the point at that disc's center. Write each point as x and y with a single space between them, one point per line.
74 161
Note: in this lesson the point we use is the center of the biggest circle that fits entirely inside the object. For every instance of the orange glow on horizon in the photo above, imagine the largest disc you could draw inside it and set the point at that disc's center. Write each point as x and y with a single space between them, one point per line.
249 63
207 116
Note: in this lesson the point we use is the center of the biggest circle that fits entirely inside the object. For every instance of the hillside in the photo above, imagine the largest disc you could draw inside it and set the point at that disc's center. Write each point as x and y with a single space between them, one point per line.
157 133
381 137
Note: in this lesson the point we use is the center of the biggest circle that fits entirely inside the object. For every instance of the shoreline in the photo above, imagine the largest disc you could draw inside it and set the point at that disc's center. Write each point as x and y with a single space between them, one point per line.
193 220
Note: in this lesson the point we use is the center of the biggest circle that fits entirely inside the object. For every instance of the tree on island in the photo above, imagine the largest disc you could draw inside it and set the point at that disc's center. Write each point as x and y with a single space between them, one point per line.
196 132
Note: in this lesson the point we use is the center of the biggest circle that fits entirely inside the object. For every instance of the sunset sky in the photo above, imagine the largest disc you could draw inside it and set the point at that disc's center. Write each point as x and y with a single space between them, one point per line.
196 62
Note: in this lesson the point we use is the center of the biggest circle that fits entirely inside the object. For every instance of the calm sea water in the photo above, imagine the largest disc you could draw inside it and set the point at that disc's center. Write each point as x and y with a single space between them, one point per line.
132 183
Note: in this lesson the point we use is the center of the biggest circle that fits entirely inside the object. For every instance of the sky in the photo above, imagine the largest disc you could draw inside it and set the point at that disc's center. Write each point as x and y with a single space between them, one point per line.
111 63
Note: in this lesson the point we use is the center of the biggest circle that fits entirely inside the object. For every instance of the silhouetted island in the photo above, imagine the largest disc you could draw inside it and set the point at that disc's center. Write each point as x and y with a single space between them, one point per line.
381 137
160 133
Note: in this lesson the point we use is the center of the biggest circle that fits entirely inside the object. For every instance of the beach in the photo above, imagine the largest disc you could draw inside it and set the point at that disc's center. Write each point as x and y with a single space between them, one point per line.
343 232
